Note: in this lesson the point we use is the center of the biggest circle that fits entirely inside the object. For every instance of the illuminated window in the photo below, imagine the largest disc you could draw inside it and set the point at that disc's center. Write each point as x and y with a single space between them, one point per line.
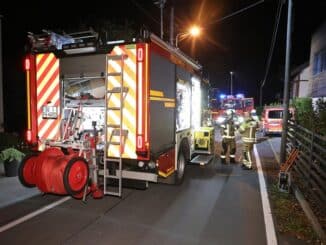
196 103
183 105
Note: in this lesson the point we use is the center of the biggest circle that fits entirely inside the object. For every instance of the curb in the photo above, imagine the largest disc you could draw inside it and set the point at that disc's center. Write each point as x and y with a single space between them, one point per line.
309 213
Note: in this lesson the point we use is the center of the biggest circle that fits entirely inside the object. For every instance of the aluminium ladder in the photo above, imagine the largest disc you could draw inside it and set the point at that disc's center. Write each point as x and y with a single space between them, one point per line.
115 135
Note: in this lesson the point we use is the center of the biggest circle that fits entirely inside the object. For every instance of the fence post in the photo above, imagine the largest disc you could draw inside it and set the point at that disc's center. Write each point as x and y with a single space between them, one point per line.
312 147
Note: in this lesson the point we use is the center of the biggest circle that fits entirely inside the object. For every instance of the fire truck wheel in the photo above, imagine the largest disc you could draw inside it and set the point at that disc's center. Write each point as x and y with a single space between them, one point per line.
181 162
76 175
25 170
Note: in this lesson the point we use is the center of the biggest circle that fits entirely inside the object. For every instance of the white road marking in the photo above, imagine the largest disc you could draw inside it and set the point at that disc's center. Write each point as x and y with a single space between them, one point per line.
277 157
33 214
268 218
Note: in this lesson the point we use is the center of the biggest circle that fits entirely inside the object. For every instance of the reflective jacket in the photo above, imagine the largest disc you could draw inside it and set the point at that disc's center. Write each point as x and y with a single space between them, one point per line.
228 129
248 130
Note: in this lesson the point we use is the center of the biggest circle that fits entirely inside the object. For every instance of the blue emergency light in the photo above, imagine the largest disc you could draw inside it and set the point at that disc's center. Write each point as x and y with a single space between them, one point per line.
240 96
222 96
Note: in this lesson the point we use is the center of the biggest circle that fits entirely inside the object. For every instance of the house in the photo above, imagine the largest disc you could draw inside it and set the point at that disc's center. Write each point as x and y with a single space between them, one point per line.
309 79
318 62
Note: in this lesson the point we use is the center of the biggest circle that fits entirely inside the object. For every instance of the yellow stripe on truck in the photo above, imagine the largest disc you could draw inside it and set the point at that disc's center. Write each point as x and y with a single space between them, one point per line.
162 99
169 105
156 93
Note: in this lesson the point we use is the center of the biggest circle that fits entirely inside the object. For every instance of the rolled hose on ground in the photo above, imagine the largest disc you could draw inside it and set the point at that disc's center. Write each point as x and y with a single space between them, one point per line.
54 172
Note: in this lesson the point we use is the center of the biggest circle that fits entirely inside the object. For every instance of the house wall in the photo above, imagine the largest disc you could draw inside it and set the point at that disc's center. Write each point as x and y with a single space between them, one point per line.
318 62
304 83
301 83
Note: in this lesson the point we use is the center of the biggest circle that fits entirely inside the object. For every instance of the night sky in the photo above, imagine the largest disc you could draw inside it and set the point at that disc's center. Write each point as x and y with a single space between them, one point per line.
240 43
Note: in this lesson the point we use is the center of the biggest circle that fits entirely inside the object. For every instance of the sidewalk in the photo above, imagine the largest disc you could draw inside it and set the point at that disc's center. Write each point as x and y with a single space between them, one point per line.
12 191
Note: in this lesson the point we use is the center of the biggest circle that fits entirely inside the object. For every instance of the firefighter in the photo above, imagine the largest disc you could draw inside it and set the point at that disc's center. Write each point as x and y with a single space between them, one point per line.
248 133
228 130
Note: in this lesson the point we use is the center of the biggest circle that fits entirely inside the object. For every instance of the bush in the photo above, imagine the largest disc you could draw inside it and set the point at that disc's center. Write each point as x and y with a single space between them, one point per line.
320 122
304 113
309 117
11 154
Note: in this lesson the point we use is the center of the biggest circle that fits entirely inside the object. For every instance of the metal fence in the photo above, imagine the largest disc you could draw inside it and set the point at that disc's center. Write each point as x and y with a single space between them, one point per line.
310 165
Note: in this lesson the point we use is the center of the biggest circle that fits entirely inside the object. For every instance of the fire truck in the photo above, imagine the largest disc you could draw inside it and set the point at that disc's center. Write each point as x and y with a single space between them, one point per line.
100 113
238 103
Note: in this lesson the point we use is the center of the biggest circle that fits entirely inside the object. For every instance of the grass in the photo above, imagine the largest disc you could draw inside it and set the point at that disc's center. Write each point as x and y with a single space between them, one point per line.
289 216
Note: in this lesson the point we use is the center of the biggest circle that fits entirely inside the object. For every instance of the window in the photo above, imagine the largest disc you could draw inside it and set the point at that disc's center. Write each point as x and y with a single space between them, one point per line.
183 105
319 62
275 114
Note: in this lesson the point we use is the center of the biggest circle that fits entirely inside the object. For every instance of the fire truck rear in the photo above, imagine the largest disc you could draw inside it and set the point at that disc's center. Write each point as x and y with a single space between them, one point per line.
107 112
238 103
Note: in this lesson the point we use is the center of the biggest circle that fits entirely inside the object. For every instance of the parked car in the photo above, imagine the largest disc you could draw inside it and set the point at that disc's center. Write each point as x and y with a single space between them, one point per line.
272 117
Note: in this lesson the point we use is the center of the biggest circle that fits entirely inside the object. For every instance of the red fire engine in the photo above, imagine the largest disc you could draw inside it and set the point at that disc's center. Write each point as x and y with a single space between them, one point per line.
238 103
116 110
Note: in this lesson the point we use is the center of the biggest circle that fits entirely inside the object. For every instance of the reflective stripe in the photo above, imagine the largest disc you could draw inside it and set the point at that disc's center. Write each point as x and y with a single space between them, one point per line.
47 90
232 156
223 156
228 137
249 140
129 107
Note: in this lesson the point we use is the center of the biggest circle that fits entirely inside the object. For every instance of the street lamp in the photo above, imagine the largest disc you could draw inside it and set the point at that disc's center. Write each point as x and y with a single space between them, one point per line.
231 85
194 31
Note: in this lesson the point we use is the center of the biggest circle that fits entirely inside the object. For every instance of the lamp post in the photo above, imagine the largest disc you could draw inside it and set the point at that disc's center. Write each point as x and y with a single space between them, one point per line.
194 31
231 85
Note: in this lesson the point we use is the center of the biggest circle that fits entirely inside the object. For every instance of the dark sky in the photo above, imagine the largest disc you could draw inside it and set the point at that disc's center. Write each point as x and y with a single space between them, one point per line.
240 43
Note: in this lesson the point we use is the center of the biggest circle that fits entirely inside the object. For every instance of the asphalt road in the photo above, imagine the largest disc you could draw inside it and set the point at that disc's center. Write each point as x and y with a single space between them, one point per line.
215 204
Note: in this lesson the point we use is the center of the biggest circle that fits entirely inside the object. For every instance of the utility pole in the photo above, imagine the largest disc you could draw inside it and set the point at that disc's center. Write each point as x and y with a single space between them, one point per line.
231 85
286 83
261 93
161 3
1 80
172 26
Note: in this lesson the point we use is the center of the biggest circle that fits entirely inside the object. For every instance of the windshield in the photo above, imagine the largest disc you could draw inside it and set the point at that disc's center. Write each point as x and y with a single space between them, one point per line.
231 104
278 114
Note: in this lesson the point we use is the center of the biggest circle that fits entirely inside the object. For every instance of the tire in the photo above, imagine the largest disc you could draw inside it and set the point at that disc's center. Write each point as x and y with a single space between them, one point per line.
181 162
77 167
26 168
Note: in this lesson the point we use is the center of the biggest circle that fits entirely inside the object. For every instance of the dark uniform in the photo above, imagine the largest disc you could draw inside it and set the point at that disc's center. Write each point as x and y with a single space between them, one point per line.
248 132
228 139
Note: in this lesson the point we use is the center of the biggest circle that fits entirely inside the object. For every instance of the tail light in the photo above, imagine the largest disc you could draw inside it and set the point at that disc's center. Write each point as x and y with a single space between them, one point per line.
27 64
29 136
142 103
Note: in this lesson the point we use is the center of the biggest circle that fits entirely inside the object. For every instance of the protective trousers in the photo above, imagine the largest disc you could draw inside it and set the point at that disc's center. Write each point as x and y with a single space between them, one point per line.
247 154
226 144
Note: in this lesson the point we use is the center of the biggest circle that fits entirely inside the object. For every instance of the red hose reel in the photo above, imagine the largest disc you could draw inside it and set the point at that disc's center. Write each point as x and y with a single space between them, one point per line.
54 172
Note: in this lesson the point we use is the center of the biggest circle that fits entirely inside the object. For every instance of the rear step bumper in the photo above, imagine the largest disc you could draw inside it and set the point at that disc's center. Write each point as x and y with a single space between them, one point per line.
136 175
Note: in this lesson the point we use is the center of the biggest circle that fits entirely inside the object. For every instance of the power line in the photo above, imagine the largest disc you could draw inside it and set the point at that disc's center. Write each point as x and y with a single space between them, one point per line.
238 12
144 11
271 50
